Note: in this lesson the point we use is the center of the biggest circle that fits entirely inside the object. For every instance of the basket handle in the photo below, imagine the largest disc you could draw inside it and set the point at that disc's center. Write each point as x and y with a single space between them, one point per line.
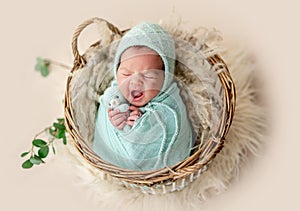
79 61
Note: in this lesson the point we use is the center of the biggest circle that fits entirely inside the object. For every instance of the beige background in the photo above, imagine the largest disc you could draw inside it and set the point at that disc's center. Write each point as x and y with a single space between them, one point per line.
268 29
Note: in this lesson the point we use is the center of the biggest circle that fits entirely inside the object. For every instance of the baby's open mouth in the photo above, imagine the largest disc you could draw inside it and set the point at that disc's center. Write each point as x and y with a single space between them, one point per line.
137 95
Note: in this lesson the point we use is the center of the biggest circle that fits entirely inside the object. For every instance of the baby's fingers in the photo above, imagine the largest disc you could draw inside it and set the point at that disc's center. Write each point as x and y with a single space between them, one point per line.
117 121
130 122
117 118
133 117
136 113
121 126
112 113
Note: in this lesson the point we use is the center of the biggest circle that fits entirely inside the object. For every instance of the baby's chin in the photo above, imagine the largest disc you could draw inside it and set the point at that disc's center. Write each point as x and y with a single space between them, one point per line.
137 103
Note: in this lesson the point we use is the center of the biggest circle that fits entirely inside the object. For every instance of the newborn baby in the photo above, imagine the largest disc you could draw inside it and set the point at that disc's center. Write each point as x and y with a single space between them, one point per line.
161 134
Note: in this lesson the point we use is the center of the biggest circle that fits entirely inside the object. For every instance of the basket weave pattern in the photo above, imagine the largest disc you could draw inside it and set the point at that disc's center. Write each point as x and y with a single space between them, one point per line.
170 178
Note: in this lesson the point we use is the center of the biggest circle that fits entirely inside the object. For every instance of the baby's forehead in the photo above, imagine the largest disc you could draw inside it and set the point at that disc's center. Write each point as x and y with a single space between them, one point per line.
137 51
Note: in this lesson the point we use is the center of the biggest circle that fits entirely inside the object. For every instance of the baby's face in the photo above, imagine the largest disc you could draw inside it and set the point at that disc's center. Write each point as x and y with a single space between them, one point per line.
140 76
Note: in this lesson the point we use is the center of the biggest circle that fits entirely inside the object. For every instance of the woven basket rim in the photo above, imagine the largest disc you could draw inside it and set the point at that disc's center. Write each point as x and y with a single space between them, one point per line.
190 165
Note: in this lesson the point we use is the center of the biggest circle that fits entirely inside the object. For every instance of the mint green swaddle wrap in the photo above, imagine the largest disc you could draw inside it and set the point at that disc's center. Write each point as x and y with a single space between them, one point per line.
162 136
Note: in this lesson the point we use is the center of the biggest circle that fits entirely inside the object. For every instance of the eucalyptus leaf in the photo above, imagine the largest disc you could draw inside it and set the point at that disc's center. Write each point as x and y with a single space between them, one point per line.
44 71
60 134
24 154
60 120
36 160
43 152
39 143
37 67
64 140
27 164
59 126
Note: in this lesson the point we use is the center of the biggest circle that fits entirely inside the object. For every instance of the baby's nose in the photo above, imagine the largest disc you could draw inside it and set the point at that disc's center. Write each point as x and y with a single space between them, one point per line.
136 79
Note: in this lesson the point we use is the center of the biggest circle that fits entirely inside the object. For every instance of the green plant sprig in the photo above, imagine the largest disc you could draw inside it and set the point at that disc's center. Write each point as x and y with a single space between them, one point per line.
42 65
40 148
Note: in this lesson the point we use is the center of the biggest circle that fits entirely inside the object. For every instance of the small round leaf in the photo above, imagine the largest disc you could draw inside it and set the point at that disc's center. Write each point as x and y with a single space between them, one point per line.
37 67
59 126
64 140
36 160
60 120
24 154
39 143
44 71
43 152
27 164
60 134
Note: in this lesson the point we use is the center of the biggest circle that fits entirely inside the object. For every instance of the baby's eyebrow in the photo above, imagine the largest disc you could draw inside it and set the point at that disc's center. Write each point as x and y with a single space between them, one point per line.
154 71
123 68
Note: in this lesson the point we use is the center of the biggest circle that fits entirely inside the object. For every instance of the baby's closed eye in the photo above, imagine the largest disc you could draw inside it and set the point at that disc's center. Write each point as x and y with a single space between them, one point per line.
126 74
151 75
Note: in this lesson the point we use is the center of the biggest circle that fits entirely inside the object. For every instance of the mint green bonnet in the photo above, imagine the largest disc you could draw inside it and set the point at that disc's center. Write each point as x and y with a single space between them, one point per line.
154 37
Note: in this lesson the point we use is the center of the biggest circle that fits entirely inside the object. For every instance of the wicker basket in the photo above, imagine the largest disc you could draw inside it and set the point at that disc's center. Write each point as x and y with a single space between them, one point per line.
164 180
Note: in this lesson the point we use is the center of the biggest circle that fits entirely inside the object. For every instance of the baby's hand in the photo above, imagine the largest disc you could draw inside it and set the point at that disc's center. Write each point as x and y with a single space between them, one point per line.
134 115
117 118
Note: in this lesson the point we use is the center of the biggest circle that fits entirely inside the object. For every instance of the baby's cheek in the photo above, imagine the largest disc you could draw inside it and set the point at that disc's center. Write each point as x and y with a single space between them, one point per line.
121 83
125 91
155 86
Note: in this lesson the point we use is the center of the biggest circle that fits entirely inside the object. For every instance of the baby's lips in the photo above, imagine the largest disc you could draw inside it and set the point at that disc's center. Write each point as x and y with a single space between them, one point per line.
136 93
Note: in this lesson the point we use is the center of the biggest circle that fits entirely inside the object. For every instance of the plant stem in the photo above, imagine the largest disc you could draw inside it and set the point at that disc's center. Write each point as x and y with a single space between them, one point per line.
43 131
52 62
